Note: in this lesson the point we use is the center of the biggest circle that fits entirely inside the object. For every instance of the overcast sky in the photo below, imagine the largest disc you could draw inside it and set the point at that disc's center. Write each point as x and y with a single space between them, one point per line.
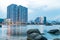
36 8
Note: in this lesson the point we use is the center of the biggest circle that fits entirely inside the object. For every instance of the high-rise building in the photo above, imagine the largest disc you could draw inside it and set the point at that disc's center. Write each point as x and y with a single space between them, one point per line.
44 20
17 13
23 14
12 12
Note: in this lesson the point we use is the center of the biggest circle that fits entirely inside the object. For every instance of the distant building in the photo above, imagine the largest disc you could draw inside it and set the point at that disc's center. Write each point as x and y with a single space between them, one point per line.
44 20
1 20
17 13
41 20
37 20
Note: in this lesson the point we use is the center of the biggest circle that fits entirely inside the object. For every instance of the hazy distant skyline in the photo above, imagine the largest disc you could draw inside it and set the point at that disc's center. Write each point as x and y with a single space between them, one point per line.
36 8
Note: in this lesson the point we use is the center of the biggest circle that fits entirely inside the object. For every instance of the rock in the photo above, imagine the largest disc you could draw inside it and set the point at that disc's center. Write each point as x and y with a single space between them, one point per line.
39 37
34 34
56 39
54 31
0 25
6 39
33 31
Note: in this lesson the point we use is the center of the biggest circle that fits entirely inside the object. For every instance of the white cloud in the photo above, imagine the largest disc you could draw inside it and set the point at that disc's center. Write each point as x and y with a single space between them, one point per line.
57 17
31 4
49 3
5 3
30 11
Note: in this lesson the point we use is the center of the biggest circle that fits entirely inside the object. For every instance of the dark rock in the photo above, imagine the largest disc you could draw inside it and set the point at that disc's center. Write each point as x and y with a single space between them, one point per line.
54 31
6 39
39 37
33 31
56 39
34 34
0 25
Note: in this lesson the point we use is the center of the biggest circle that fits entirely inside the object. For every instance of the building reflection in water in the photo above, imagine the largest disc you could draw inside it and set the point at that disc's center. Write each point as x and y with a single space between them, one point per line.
16 31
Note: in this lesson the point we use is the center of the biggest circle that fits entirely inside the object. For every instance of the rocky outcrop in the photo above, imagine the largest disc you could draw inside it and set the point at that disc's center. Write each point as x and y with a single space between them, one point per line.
33 31
34 34
56 39
54 31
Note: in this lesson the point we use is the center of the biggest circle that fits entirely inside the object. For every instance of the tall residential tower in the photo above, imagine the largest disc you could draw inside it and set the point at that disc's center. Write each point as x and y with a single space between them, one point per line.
23 14
12 12
17 13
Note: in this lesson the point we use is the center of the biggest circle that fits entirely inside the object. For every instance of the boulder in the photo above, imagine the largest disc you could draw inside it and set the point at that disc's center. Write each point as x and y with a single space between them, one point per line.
39 37
0 25
34 34
56 39
54 31
33 31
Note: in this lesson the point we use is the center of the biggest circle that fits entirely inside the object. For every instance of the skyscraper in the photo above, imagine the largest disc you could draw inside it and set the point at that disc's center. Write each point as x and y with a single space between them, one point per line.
17 13
44 20
12 11
23 14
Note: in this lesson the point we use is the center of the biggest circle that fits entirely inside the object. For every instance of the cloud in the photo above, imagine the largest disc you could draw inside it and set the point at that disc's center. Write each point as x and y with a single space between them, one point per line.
32 5
51 4
5 3
57 17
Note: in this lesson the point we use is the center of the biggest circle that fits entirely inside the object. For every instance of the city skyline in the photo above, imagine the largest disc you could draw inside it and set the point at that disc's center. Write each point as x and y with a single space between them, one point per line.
36 8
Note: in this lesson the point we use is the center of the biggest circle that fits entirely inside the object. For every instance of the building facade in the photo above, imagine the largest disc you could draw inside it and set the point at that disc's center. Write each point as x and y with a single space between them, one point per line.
17 13
12 11
23 14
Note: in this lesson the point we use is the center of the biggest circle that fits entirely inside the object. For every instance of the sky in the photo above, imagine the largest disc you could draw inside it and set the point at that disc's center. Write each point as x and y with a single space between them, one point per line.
36 8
